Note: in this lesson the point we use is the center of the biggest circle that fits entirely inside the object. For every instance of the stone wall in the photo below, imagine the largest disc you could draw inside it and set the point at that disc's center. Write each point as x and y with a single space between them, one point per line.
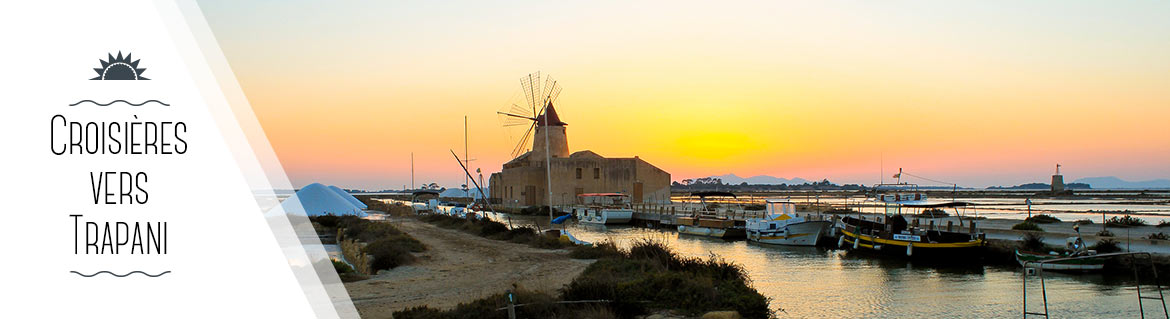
520 185
352 250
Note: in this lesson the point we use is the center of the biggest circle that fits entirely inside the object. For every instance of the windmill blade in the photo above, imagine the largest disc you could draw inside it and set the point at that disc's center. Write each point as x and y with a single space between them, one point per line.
520 147
520 110
552 90
532 90
517 116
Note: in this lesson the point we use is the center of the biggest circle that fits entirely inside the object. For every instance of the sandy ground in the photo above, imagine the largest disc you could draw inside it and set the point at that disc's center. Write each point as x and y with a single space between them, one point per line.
458 268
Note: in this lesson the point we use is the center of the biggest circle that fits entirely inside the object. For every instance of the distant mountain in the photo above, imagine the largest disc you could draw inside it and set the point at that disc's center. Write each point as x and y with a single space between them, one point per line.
1110 182
733 179
1043 186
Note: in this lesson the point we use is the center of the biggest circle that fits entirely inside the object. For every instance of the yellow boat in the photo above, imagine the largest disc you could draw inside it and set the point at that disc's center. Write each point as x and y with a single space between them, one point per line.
891 233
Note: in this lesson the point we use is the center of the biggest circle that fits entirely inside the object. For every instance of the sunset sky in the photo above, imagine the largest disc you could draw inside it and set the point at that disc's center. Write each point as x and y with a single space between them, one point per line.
978 93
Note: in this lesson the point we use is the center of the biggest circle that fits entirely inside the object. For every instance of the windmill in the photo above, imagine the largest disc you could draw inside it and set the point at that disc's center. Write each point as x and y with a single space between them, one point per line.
525 114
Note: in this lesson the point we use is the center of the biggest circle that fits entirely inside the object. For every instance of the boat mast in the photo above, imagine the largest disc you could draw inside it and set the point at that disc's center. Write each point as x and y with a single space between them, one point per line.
466 159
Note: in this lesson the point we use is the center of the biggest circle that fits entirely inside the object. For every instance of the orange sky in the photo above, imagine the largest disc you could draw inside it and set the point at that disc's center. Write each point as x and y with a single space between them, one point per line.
980 94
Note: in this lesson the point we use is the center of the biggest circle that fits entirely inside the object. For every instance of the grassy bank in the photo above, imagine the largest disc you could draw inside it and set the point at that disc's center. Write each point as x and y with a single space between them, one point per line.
625 283
496 230
391 209
388 246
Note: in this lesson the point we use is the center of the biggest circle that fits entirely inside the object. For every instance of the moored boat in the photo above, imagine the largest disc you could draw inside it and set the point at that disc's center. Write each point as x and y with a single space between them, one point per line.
1066 262
707 222
782 226
892 233
1077 258
604 208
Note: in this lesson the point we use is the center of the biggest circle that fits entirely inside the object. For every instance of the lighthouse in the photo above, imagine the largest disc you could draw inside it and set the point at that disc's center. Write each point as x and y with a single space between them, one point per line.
1057 181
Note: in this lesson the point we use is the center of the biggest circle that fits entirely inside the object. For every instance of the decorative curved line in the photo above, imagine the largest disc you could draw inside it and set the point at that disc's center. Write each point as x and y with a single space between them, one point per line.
117 275
116 101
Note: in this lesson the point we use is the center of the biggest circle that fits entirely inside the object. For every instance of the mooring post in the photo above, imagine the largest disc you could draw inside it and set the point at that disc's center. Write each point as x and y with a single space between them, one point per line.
511 305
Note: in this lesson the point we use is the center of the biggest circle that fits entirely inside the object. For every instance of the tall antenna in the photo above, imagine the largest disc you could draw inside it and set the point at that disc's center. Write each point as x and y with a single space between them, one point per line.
465 158
411 170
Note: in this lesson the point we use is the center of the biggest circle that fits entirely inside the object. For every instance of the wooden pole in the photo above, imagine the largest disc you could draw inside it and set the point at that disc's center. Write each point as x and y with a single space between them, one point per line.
511 305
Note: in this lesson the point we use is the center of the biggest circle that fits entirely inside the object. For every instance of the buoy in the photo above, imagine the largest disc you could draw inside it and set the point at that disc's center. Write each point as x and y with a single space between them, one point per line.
856 241
910 249
841 241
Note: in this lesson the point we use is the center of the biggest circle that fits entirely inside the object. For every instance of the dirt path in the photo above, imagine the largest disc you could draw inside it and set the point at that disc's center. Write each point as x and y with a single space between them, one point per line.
458 267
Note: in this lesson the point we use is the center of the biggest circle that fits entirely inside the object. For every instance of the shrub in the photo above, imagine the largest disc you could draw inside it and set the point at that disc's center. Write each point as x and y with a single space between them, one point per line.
1163 223
393 251
1124 222
548 242
1083 222
597 251
1106 246
1027 226
489 228
1033 242
341 267
387 255
1159 236
1105 233
369 232
536 305
1042 219
651 276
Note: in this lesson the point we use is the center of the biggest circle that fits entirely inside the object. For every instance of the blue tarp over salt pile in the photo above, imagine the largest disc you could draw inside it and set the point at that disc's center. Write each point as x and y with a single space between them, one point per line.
349 198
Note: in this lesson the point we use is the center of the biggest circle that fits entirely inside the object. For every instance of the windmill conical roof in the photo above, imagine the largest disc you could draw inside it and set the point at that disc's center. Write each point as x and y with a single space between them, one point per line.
348 197
316 199
552 116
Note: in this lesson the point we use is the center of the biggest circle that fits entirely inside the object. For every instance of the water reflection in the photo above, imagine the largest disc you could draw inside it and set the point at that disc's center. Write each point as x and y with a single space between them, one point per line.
816 282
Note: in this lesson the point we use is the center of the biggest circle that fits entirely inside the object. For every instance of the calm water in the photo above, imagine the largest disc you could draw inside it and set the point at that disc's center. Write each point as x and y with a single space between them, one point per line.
813 282
1152 211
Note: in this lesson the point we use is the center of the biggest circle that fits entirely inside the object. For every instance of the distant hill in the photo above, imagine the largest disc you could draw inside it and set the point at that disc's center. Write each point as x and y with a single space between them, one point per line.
1075 185
1111 182
760 180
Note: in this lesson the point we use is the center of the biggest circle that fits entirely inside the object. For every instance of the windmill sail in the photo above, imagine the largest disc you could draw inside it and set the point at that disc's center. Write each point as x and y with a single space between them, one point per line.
537 96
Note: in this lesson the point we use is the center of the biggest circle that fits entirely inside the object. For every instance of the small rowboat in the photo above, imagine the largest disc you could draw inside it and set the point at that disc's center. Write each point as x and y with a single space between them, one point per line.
1035 260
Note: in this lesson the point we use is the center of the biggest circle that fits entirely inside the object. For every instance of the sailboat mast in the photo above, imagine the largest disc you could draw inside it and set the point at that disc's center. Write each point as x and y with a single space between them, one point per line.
465 158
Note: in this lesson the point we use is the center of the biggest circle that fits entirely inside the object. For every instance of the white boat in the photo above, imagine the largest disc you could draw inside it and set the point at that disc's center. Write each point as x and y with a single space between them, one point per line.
782 226
1080 258
706 221
604 208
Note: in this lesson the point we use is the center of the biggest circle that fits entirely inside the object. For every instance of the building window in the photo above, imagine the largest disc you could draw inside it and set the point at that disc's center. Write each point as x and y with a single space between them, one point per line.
578 173
596 173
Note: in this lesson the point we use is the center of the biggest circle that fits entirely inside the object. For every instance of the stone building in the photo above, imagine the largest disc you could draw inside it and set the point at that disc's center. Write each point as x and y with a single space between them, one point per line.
522 181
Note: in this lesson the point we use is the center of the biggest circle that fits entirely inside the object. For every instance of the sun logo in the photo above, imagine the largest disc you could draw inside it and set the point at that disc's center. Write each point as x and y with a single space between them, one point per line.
119 68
